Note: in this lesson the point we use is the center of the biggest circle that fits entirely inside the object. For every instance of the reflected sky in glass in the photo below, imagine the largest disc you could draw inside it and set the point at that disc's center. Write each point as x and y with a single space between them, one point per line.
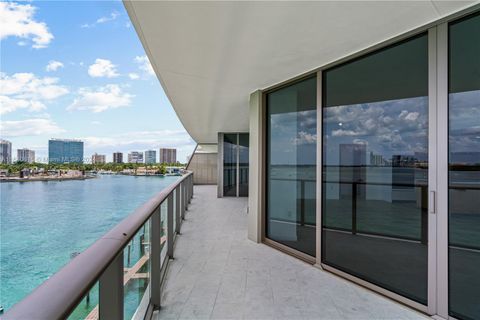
387 128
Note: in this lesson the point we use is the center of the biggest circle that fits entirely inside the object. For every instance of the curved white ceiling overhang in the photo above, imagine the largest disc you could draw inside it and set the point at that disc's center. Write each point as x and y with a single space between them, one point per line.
209 56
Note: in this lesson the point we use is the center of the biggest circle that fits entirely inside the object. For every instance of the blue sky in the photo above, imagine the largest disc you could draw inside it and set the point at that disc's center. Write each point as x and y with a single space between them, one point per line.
78 70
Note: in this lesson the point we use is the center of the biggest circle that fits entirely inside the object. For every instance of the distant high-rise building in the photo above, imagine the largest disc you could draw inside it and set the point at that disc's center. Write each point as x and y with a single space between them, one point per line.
353 159
26 155
5 151
150 156
117 157
98 158
135 157
168 155
65 151
376 160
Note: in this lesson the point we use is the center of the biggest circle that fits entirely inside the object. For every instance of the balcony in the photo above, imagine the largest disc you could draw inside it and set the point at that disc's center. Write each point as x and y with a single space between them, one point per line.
217 273
202 268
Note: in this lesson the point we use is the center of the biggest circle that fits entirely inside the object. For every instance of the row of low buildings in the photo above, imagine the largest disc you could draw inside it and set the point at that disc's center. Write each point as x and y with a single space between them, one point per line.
72 151
167 155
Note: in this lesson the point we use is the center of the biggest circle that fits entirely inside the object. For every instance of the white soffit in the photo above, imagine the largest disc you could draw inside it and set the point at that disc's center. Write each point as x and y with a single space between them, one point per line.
209 56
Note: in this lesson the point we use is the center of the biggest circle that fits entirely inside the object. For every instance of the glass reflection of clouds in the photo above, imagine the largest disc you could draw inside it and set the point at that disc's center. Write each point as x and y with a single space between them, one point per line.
375 168
291 166
388 127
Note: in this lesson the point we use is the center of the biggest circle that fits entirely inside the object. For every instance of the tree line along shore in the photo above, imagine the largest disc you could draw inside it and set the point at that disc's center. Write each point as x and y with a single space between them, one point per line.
63 171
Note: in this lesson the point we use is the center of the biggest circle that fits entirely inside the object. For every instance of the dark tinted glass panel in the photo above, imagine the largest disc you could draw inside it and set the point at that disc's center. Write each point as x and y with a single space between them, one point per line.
243 164
464 168
291 165
375 166
230 164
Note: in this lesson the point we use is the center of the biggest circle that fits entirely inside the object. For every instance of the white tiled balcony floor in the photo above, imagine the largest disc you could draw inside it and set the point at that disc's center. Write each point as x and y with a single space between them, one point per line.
218 273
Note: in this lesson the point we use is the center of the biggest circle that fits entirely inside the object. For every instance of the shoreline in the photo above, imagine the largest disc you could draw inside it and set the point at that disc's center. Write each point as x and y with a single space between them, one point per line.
16 179
2 180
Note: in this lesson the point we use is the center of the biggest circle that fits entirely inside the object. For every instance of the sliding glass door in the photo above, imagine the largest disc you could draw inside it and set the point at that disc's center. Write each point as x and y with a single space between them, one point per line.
400 168
375 168
464 168
291 166
230 160
235 164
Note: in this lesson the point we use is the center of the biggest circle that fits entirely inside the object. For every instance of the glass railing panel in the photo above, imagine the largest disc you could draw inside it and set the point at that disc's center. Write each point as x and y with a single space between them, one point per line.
136 277
340 217
163 232
88 307
396 211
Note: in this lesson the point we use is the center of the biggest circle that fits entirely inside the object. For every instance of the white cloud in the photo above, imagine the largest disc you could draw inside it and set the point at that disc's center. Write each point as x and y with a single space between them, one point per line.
114 15
96 123
346 133
29 127
305 138
412 116
26 90
103 68
133 76
100 99
111 17
17 20
144 65
9 105
53 65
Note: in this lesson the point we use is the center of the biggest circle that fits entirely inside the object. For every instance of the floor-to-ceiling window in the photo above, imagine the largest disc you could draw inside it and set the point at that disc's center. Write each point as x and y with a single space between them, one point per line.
243 164
230 164
375 168
291 165
464 168
235 164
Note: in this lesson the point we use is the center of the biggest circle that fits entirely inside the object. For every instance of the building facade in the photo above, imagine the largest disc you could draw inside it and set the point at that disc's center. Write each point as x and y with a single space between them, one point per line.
65 151
117 157
135 157
150 156
98 158
26 155
5 152
168 155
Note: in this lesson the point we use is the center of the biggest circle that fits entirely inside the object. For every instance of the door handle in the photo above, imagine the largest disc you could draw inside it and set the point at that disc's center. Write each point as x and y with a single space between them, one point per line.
432 202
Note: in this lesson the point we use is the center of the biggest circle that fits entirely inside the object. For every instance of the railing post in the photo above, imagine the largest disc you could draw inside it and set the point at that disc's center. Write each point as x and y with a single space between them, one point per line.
155 257
354 208
178 213
191 186
193 182
302 202
185 194
182 201
111 290
170 230
187 189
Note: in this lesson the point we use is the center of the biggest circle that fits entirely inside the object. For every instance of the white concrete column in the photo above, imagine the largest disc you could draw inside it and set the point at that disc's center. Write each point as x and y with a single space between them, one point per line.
256 170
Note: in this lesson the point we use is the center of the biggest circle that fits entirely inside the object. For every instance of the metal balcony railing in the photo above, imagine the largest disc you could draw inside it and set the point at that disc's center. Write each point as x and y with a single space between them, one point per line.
153 226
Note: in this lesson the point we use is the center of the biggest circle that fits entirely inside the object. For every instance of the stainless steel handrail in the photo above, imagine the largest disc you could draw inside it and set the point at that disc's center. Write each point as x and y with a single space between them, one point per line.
58 296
